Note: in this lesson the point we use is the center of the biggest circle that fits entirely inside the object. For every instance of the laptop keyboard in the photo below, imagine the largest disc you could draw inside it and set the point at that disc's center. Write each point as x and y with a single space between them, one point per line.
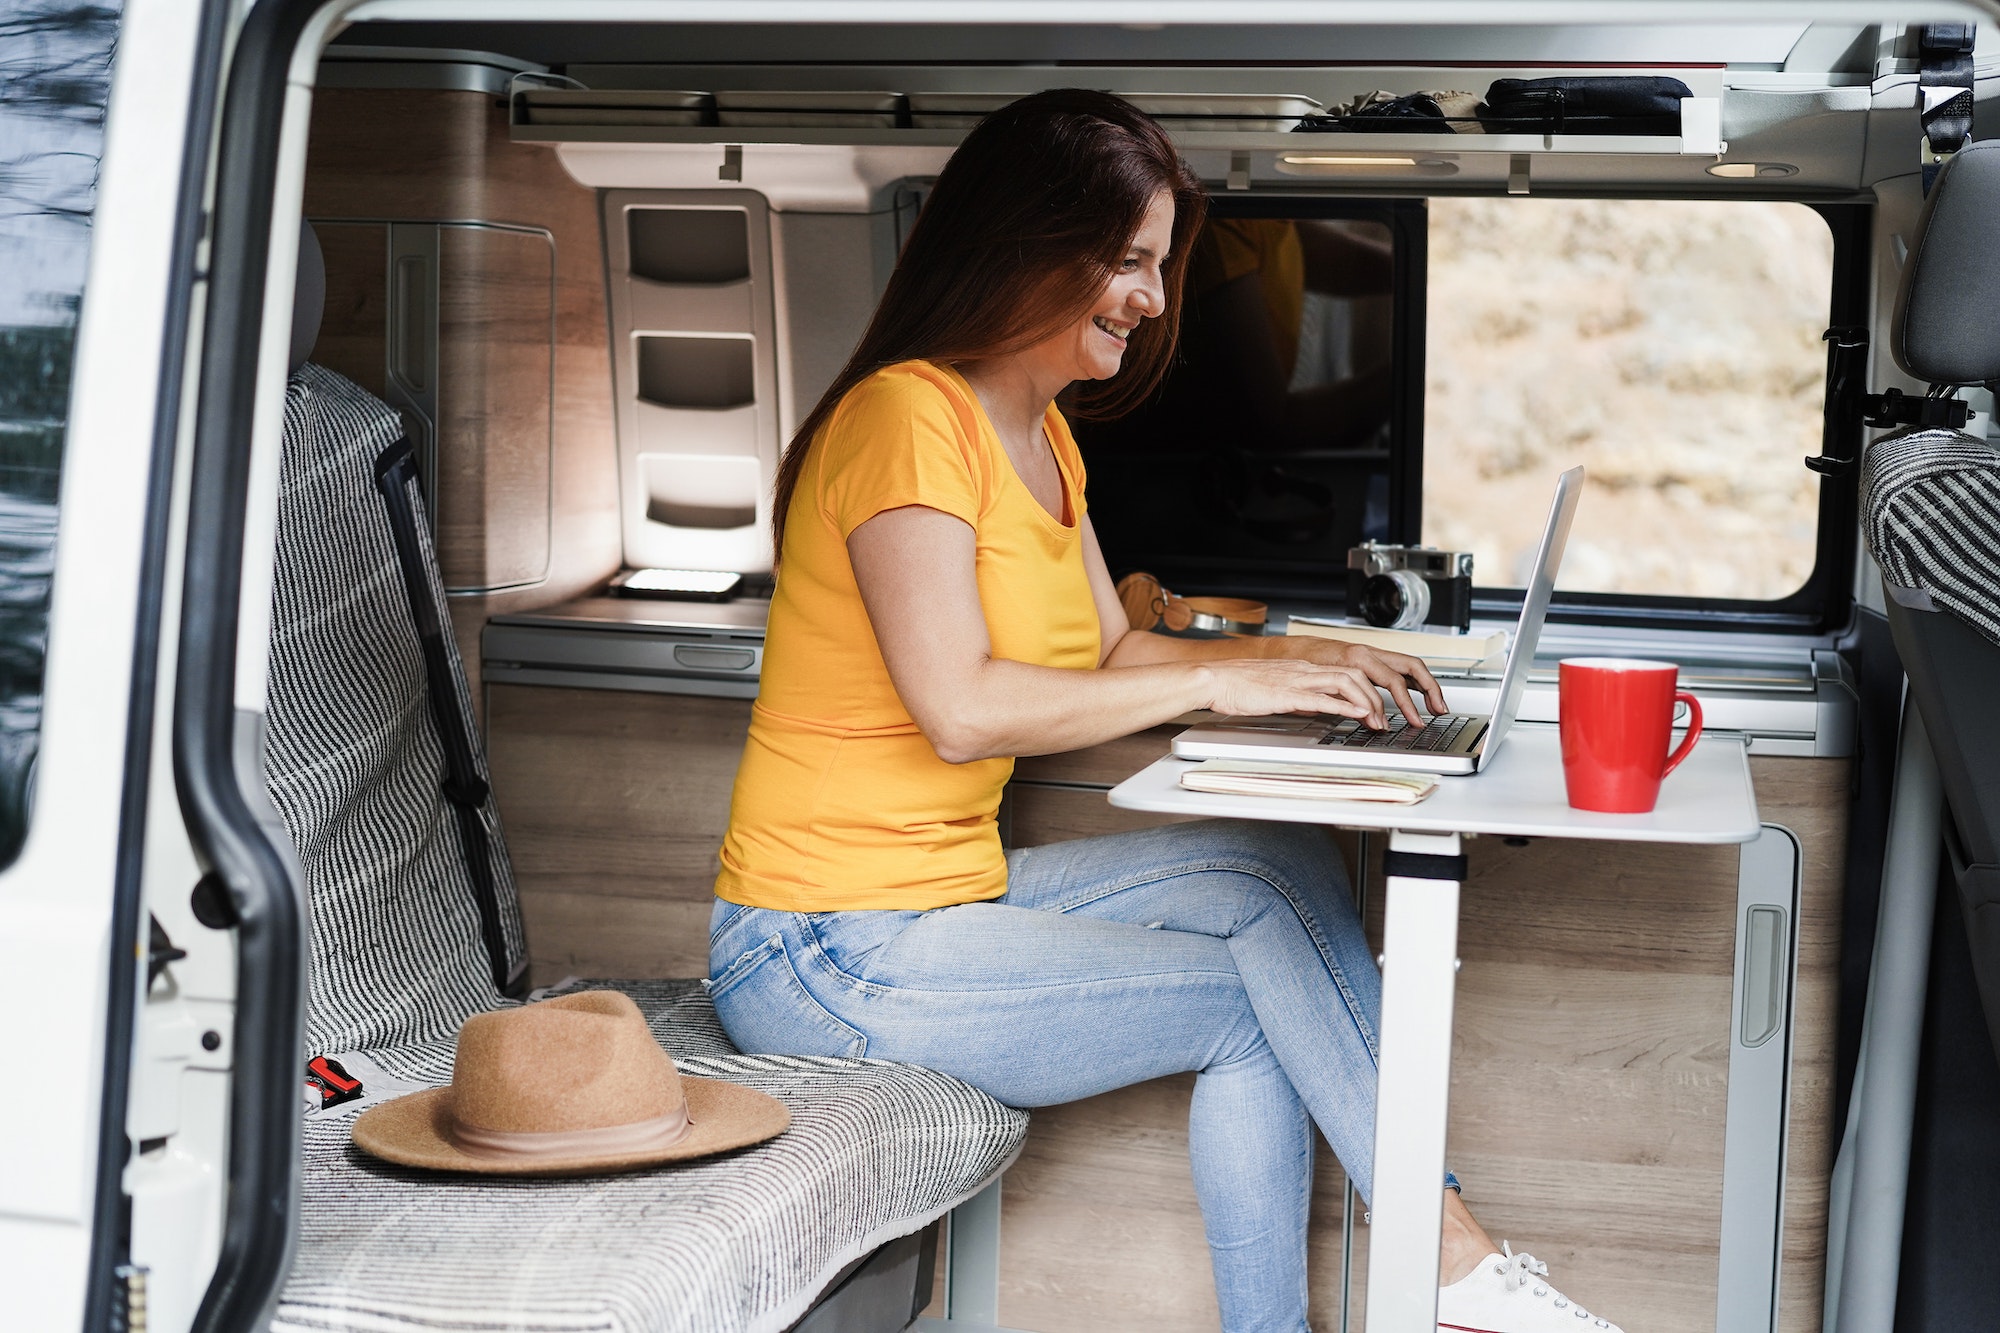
1440 736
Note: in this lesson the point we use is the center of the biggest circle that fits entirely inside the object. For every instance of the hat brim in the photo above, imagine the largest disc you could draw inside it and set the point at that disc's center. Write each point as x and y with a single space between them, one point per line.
415 1130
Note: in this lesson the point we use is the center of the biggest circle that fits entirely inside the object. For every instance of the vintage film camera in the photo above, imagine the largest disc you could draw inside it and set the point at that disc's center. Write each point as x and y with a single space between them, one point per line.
1407 587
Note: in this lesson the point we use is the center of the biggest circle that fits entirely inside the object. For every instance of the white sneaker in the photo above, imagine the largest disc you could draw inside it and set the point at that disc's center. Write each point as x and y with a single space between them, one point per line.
1510 1293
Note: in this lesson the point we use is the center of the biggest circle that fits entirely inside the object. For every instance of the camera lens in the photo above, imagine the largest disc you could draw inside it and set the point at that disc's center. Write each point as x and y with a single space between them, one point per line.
1399 599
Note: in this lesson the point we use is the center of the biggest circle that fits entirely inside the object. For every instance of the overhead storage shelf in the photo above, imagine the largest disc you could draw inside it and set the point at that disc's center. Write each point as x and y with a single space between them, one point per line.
681 117
1360 145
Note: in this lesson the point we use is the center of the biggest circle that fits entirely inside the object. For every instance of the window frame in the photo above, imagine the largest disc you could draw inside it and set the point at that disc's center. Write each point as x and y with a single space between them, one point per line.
1824 603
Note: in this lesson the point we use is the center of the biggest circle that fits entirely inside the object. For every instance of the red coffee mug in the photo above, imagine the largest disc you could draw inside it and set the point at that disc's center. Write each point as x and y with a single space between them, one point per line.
1617 716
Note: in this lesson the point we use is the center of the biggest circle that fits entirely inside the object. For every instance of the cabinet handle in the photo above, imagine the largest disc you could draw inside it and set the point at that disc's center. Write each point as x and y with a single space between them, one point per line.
1764 958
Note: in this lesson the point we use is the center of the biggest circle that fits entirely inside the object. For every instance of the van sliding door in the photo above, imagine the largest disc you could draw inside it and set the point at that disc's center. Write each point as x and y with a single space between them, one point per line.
100 220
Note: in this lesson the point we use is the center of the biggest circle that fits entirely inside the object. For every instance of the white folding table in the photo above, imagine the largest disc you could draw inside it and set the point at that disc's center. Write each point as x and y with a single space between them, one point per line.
1708 799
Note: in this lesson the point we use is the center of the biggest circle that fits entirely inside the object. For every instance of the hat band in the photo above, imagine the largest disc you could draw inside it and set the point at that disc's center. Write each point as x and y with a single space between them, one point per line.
515 1145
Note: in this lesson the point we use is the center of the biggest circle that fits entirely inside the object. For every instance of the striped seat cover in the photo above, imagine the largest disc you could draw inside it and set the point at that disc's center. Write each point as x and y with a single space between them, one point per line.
352 759
1930 503
744 1241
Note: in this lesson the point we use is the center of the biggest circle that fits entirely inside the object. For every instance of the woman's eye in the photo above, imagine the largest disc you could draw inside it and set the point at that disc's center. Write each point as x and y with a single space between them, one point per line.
1130 263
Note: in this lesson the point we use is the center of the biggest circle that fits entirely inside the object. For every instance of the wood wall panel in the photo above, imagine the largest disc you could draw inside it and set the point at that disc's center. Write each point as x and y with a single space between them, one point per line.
1104 765
1590 1074
1811 798
495 407
438 156
615 805
1033 814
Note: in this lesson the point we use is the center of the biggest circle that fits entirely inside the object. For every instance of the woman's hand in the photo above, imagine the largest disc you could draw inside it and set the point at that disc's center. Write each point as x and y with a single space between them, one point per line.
1254 687
1395 672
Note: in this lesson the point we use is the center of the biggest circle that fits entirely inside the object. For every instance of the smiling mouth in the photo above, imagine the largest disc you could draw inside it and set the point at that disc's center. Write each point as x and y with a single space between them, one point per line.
1119 331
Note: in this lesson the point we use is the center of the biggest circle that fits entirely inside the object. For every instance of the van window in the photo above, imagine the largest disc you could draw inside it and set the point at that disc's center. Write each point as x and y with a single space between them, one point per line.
55 77
1286 429
1671 346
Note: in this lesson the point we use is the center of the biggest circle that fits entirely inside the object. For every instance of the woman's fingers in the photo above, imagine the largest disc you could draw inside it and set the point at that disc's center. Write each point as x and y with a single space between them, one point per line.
1405 704
1396 672
1420 675
1354 688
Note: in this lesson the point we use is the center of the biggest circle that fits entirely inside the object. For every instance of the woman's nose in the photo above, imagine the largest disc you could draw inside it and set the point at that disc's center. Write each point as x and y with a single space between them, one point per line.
1149 299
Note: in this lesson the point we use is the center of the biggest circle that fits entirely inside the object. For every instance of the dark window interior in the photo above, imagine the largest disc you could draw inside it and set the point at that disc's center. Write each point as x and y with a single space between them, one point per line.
1290 427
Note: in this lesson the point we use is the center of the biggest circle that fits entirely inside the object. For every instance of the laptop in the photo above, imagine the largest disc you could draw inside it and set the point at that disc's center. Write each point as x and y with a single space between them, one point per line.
1452 743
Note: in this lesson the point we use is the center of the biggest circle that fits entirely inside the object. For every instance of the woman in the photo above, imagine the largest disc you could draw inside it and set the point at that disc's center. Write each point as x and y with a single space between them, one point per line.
942 607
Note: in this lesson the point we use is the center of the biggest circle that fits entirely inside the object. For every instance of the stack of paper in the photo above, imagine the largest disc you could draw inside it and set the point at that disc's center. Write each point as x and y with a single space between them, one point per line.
1312 782
1436 648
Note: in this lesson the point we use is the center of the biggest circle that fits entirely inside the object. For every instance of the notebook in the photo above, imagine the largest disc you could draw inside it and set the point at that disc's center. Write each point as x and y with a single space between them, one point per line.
1254 777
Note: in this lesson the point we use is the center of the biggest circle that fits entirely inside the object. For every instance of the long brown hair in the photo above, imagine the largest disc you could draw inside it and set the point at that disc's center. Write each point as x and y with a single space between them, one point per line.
1027 223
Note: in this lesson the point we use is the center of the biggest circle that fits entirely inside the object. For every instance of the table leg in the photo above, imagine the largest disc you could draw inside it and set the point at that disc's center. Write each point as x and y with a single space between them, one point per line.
1413 1083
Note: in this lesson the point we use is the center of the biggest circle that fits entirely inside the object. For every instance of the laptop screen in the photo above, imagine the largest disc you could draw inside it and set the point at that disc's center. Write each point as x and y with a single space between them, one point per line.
1535 607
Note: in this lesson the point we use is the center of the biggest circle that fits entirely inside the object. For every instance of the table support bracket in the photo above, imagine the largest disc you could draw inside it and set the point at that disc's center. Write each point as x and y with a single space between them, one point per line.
1413 1082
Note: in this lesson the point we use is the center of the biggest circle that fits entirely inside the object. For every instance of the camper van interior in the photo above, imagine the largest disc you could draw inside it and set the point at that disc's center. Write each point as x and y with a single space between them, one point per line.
506 315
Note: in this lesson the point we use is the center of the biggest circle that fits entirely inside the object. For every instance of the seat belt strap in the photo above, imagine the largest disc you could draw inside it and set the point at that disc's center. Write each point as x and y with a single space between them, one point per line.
464 785
1944 92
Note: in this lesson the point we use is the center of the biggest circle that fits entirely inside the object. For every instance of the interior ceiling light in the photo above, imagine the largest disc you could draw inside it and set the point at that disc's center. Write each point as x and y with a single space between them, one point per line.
1743 171
1322 160
1345 164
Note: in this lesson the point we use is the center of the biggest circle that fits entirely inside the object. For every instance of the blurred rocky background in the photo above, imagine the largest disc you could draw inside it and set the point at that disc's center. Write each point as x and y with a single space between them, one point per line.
1672 347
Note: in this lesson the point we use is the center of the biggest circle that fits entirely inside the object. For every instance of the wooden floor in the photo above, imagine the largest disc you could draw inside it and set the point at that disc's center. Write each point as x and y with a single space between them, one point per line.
1591 1050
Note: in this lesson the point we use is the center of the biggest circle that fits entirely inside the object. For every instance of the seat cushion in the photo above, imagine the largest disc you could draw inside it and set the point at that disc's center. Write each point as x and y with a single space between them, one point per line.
743 1241
1930 504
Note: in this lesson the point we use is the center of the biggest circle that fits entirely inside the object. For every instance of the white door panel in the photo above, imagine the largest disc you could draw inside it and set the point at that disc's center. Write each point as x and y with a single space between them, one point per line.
57 898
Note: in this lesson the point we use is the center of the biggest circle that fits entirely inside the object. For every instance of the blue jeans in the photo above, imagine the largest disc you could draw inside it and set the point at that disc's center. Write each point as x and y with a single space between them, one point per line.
1230 949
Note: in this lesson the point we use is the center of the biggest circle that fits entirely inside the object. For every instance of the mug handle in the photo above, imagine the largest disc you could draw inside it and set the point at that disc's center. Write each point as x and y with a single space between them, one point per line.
1694 731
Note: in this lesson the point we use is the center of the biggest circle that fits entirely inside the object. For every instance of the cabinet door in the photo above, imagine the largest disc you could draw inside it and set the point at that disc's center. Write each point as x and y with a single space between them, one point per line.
453 323
496 332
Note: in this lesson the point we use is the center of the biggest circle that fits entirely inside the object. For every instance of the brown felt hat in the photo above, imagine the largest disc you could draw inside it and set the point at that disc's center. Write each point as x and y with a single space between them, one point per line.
571 1086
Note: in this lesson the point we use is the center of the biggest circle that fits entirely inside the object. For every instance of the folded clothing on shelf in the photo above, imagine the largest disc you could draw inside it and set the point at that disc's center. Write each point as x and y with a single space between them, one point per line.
1383 112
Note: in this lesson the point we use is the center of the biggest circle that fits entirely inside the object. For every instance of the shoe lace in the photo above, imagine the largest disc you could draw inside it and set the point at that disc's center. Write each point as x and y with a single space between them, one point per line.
1517 1270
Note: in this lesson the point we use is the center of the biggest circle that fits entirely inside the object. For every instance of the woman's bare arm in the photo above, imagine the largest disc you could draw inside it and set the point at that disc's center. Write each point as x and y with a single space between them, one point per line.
1398 673
915 569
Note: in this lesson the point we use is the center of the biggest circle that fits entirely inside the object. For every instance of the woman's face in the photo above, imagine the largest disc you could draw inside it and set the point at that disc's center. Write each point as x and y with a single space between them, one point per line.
1094 347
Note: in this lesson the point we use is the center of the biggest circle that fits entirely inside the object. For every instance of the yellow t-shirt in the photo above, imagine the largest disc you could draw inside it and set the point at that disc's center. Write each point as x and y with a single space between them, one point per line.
841 802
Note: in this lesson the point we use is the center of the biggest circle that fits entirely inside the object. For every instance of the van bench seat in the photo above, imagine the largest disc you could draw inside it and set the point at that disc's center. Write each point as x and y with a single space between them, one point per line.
354 763
743 1241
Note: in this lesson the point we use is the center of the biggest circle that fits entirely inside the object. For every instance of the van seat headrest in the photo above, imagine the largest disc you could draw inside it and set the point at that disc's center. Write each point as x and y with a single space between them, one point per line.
309 302
1947 324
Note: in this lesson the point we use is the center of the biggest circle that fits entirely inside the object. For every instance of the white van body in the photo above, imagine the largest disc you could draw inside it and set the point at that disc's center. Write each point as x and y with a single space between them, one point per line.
131 1168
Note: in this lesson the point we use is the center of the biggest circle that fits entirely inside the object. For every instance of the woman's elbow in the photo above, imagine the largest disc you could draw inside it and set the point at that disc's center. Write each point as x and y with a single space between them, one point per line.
956 748
962 739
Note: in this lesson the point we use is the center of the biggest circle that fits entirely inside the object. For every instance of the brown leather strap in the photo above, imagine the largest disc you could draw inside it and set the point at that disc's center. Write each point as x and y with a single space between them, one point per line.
1148 605
1214 615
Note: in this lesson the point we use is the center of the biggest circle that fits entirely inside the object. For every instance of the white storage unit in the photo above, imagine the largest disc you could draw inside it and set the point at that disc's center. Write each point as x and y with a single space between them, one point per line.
693 329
